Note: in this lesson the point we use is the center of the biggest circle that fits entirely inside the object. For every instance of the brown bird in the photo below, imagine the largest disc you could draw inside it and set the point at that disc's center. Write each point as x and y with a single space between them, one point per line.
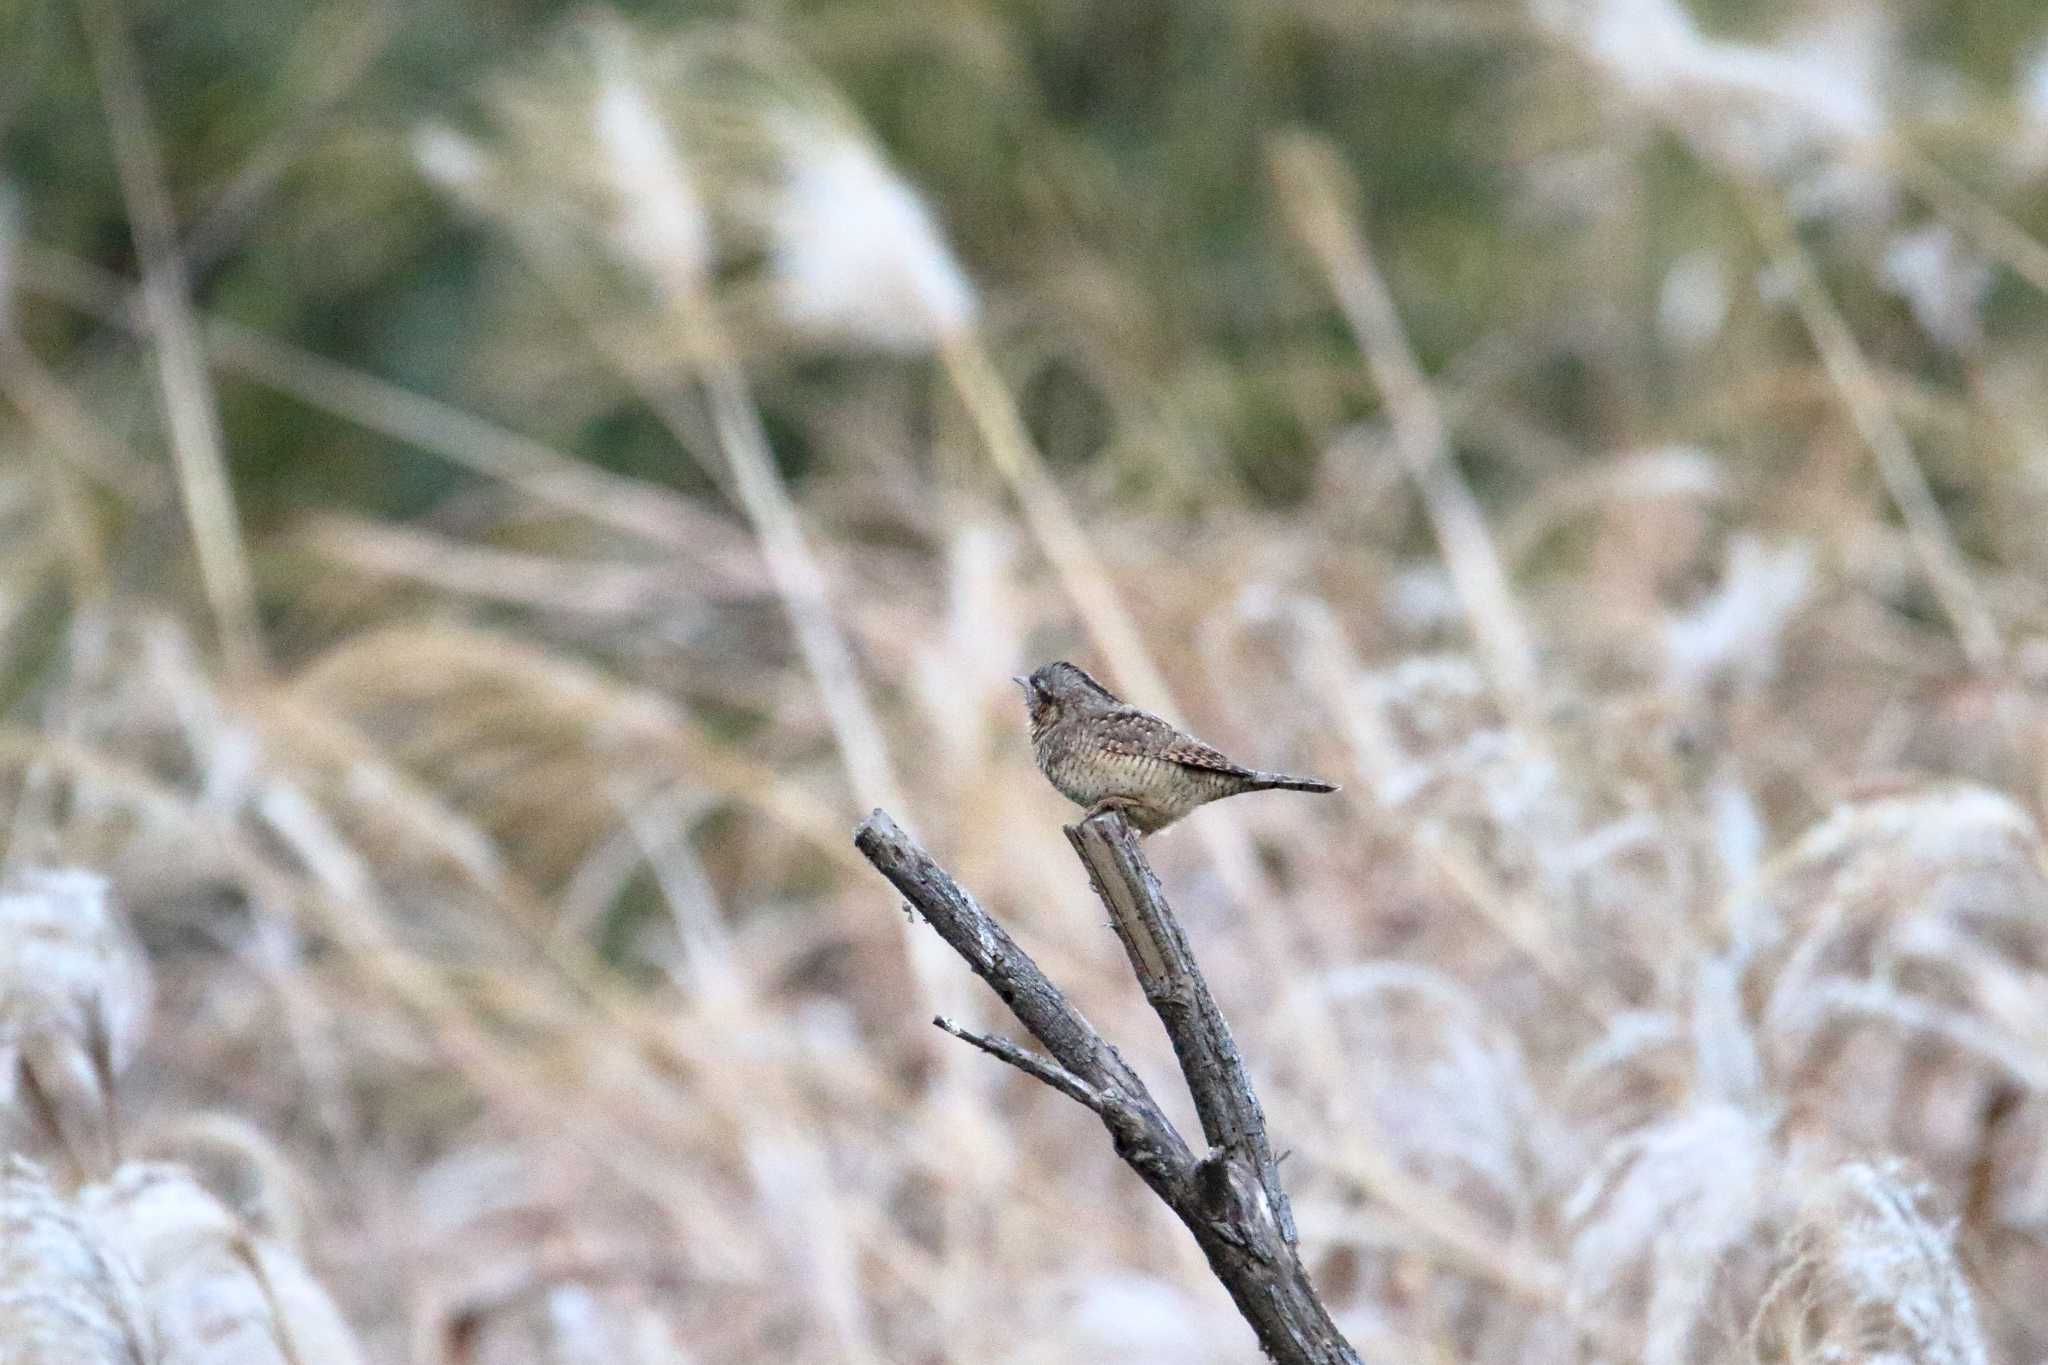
1107 755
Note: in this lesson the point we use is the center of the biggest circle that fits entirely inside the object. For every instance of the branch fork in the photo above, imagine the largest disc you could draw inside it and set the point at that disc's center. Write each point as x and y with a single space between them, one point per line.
1229 1194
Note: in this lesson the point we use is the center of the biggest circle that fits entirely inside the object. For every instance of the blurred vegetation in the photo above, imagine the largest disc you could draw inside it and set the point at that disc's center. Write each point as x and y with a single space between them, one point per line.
1099 168
512 892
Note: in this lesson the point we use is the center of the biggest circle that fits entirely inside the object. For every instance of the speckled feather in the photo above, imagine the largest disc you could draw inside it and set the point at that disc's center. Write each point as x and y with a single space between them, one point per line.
1103 753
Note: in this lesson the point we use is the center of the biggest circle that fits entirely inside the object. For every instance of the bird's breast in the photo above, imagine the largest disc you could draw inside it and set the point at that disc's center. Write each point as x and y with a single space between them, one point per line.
1088 773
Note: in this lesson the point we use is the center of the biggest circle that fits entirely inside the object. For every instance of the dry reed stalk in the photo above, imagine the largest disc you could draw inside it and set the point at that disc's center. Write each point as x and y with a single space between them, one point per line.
665 231
1870 410
190 407
343 62
1871 1272
604 589
368 784
62 419
1085 578
2004 239
58 418
796 572
29 387
660 842
1310 183
345 902
240 1164
644 510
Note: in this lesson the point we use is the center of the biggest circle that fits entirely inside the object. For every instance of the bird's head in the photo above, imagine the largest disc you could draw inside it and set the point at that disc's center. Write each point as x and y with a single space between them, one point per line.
1058 689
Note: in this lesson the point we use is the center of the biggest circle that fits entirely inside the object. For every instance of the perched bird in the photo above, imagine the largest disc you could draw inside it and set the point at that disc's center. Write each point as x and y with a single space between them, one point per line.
1107 755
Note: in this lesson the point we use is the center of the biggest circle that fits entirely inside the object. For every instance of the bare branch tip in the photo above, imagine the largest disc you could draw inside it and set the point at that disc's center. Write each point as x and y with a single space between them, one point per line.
1108 822
879 827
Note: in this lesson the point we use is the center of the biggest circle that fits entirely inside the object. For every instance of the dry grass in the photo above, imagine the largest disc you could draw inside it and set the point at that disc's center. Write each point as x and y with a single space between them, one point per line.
1667 984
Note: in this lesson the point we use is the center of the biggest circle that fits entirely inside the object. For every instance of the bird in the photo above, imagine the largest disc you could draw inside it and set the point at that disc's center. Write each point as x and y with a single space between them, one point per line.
1105 754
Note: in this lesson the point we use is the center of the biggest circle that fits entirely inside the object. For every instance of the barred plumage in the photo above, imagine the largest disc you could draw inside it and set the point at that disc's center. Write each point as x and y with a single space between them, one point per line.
1106 755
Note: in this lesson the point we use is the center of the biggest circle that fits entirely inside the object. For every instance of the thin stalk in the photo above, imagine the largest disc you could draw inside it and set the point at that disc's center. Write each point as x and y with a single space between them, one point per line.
1058 532
548 476
24 383
190 409
1309 181
793 567
1996 233
343 60
801 584
1870 410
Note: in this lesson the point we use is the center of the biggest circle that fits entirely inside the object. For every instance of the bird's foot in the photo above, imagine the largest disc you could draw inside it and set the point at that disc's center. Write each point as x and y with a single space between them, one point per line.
1139 814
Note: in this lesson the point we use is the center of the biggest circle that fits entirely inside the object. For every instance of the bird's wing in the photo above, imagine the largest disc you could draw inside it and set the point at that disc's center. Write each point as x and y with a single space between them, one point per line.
1140 734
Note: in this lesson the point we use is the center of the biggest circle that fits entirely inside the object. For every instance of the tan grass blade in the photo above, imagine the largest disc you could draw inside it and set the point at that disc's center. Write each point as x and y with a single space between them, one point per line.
1870 409
190 407
1310 182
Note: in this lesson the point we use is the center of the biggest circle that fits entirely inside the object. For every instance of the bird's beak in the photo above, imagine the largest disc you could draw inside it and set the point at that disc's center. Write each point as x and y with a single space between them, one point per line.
1022 681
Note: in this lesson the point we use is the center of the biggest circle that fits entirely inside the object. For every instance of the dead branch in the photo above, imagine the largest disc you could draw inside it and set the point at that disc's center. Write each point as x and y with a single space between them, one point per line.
1230 1196
1175 988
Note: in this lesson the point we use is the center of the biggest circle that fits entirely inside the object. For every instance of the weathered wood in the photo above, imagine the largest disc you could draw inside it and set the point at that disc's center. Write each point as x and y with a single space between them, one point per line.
1165 966
1230 1197
1144 1137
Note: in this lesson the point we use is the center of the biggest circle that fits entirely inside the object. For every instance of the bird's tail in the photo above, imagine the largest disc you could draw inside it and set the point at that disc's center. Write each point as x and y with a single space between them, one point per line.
1282 782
